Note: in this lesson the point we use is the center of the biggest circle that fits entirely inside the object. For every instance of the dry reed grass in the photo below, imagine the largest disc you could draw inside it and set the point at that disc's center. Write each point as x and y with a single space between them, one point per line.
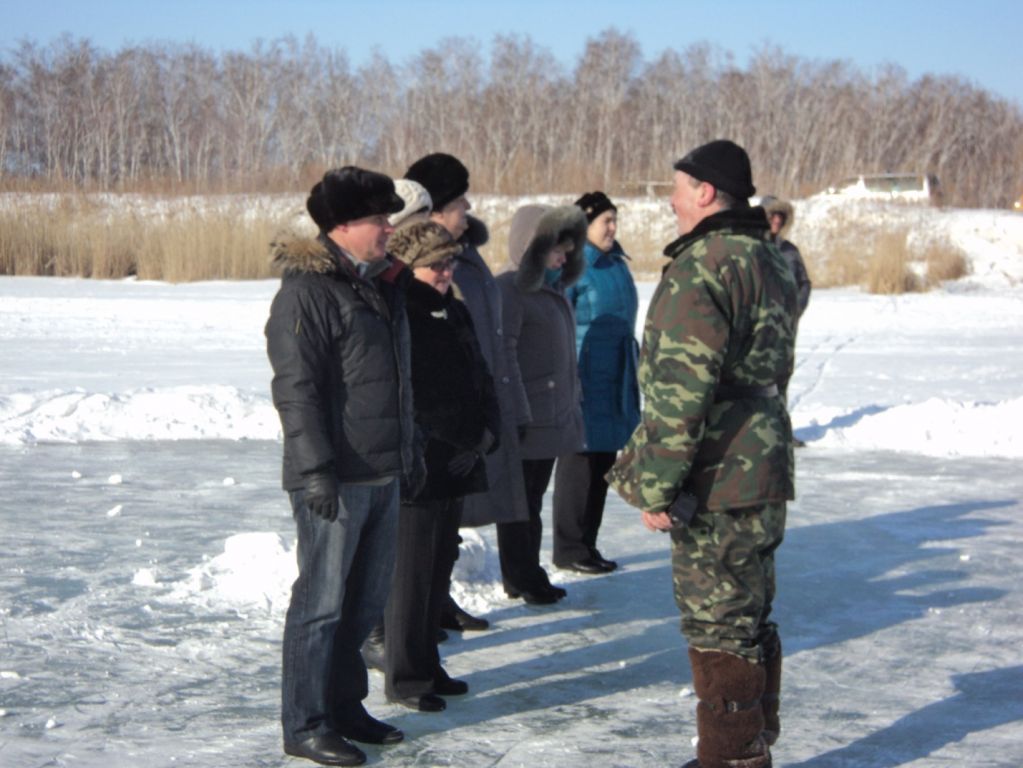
87 236
883 261
76 236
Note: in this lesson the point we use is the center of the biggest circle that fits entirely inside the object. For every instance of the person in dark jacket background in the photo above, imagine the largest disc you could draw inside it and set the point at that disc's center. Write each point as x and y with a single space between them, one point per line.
457 413
605 304
545 250
338 343
447 180
780 215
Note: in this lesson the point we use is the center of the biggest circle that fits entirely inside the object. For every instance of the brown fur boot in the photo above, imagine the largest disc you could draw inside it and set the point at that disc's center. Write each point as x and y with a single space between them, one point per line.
772 691
729 714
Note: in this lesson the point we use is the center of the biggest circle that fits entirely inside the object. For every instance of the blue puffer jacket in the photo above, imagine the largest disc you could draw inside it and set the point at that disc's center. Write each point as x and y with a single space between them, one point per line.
606 304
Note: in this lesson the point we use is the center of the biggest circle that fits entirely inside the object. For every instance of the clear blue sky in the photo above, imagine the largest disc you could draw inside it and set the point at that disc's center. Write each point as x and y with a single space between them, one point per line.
979 40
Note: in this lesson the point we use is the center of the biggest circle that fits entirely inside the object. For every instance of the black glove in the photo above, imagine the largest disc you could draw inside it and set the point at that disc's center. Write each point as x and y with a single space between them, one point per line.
321 495
461 463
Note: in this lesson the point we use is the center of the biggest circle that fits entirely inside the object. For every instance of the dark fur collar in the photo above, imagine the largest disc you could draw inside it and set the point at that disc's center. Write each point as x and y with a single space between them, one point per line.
426 298
476 234
740 221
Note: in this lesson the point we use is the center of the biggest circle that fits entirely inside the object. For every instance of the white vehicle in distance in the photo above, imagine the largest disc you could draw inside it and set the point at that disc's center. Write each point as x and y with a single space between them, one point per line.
920 188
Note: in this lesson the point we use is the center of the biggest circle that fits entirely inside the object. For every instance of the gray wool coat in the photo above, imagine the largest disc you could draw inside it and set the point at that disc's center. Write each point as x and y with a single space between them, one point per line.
539 331
505 502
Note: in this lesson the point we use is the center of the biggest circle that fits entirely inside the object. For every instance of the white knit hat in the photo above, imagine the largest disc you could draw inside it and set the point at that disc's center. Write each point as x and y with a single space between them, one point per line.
417 200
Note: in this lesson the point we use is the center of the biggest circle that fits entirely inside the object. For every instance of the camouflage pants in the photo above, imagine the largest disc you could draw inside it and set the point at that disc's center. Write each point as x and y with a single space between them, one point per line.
723 571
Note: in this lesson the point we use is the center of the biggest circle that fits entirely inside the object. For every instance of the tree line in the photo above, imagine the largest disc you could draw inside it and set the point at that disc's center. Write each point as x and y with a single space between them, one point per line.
275 116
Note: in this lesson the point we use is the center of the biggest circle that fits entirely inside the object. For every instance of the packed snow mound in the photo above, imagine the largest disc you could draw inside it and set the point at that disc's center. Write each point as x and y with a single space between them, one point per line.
172 413
255 569
935 427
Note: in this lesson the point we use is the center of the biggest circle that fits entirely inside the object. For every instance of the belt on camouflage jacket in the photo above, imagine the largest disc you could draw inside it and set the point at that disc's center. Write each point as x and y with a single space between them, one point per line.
726 392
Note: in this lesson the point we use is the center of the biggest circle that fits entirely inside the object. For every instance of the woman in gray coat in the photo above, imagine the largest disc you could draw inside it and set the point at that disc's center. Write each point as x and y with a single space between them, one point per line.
545 248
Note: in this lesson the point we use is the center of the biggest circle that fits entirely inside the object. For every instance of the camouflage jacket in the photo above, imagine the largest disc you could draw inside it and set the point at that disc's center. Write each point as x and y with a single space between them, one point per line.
722 317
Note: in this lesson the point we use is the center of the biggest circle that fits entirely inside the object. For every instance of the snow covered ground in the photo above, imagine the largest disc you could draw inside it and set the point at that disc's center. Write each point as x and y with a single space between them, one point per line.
148 549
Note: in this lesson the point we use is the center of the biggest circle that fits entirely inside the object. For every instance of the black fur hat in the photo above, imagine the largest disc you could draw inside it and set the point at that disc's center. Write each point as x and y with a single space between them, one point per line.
594 204
350 193
722 163
443 175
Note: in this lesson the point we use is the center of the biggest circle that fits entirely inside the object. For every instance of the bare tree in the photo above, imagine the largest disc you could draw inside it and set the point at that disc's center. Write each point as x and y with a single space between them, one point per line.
282 111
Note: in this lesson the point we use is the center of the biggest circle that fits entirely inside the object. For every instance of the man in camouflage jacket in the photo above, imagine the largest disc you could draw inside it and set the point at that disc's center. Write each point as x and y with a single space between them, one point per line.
711 461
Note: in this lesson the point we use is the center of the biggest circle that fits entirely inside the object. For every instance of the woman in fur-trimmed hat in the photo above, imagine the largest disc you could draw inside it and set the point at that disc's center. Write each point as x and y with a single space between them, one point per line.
545 248
456 411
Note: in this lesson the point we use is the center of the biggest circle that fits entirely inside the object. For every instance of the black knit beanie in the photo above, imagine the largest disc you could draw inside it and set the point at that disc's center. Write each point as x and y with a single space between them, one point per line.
722 163
350 193
594 204
443 175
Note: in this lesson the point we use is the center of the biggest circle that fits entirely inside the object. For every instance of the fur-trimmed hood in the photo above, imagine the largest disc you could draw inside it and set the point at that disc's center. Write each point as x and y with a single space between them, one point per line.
772 204
535 229
291 252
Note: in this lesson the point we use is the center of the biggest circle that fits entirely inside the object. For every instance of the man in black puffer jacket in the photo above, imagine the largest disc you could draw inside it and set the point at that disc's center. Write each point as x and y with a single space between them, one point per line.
338 342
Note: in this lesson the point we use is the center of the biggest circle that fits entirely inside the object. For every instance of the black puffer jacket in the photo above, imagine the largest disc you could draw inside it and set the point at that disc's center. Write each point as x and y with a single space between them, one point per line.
453 390
339 348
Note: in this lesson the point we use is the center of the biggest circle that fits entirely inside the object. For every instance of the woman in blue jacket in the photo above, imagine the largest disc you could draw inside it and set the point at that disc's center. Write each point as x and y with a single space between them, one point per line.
605 303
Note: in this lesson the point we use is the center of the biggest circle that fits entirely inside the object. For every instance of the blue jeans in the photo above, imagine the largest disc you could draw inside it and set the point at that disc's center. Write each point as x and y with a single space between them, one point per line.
344 573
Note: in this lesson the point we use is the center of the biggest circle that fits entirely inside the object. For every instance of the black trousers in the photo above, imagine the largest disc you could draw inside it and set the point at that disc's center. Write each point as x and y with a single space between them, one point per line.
579 495
518 543
427 550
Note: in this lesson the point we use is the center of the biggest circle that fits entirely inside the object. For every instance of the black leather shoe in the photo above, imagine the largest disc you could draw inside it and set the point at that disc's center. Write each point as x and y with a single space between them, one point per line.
541 596
457 619
360 725
327 749
442 635
428 702
609 565
587 565
448 686
558 592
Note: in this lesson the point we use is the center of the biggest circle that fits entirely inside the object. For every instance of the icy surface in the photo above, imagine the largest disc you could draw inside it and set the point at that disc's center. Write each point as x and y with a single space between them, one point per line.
148 552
